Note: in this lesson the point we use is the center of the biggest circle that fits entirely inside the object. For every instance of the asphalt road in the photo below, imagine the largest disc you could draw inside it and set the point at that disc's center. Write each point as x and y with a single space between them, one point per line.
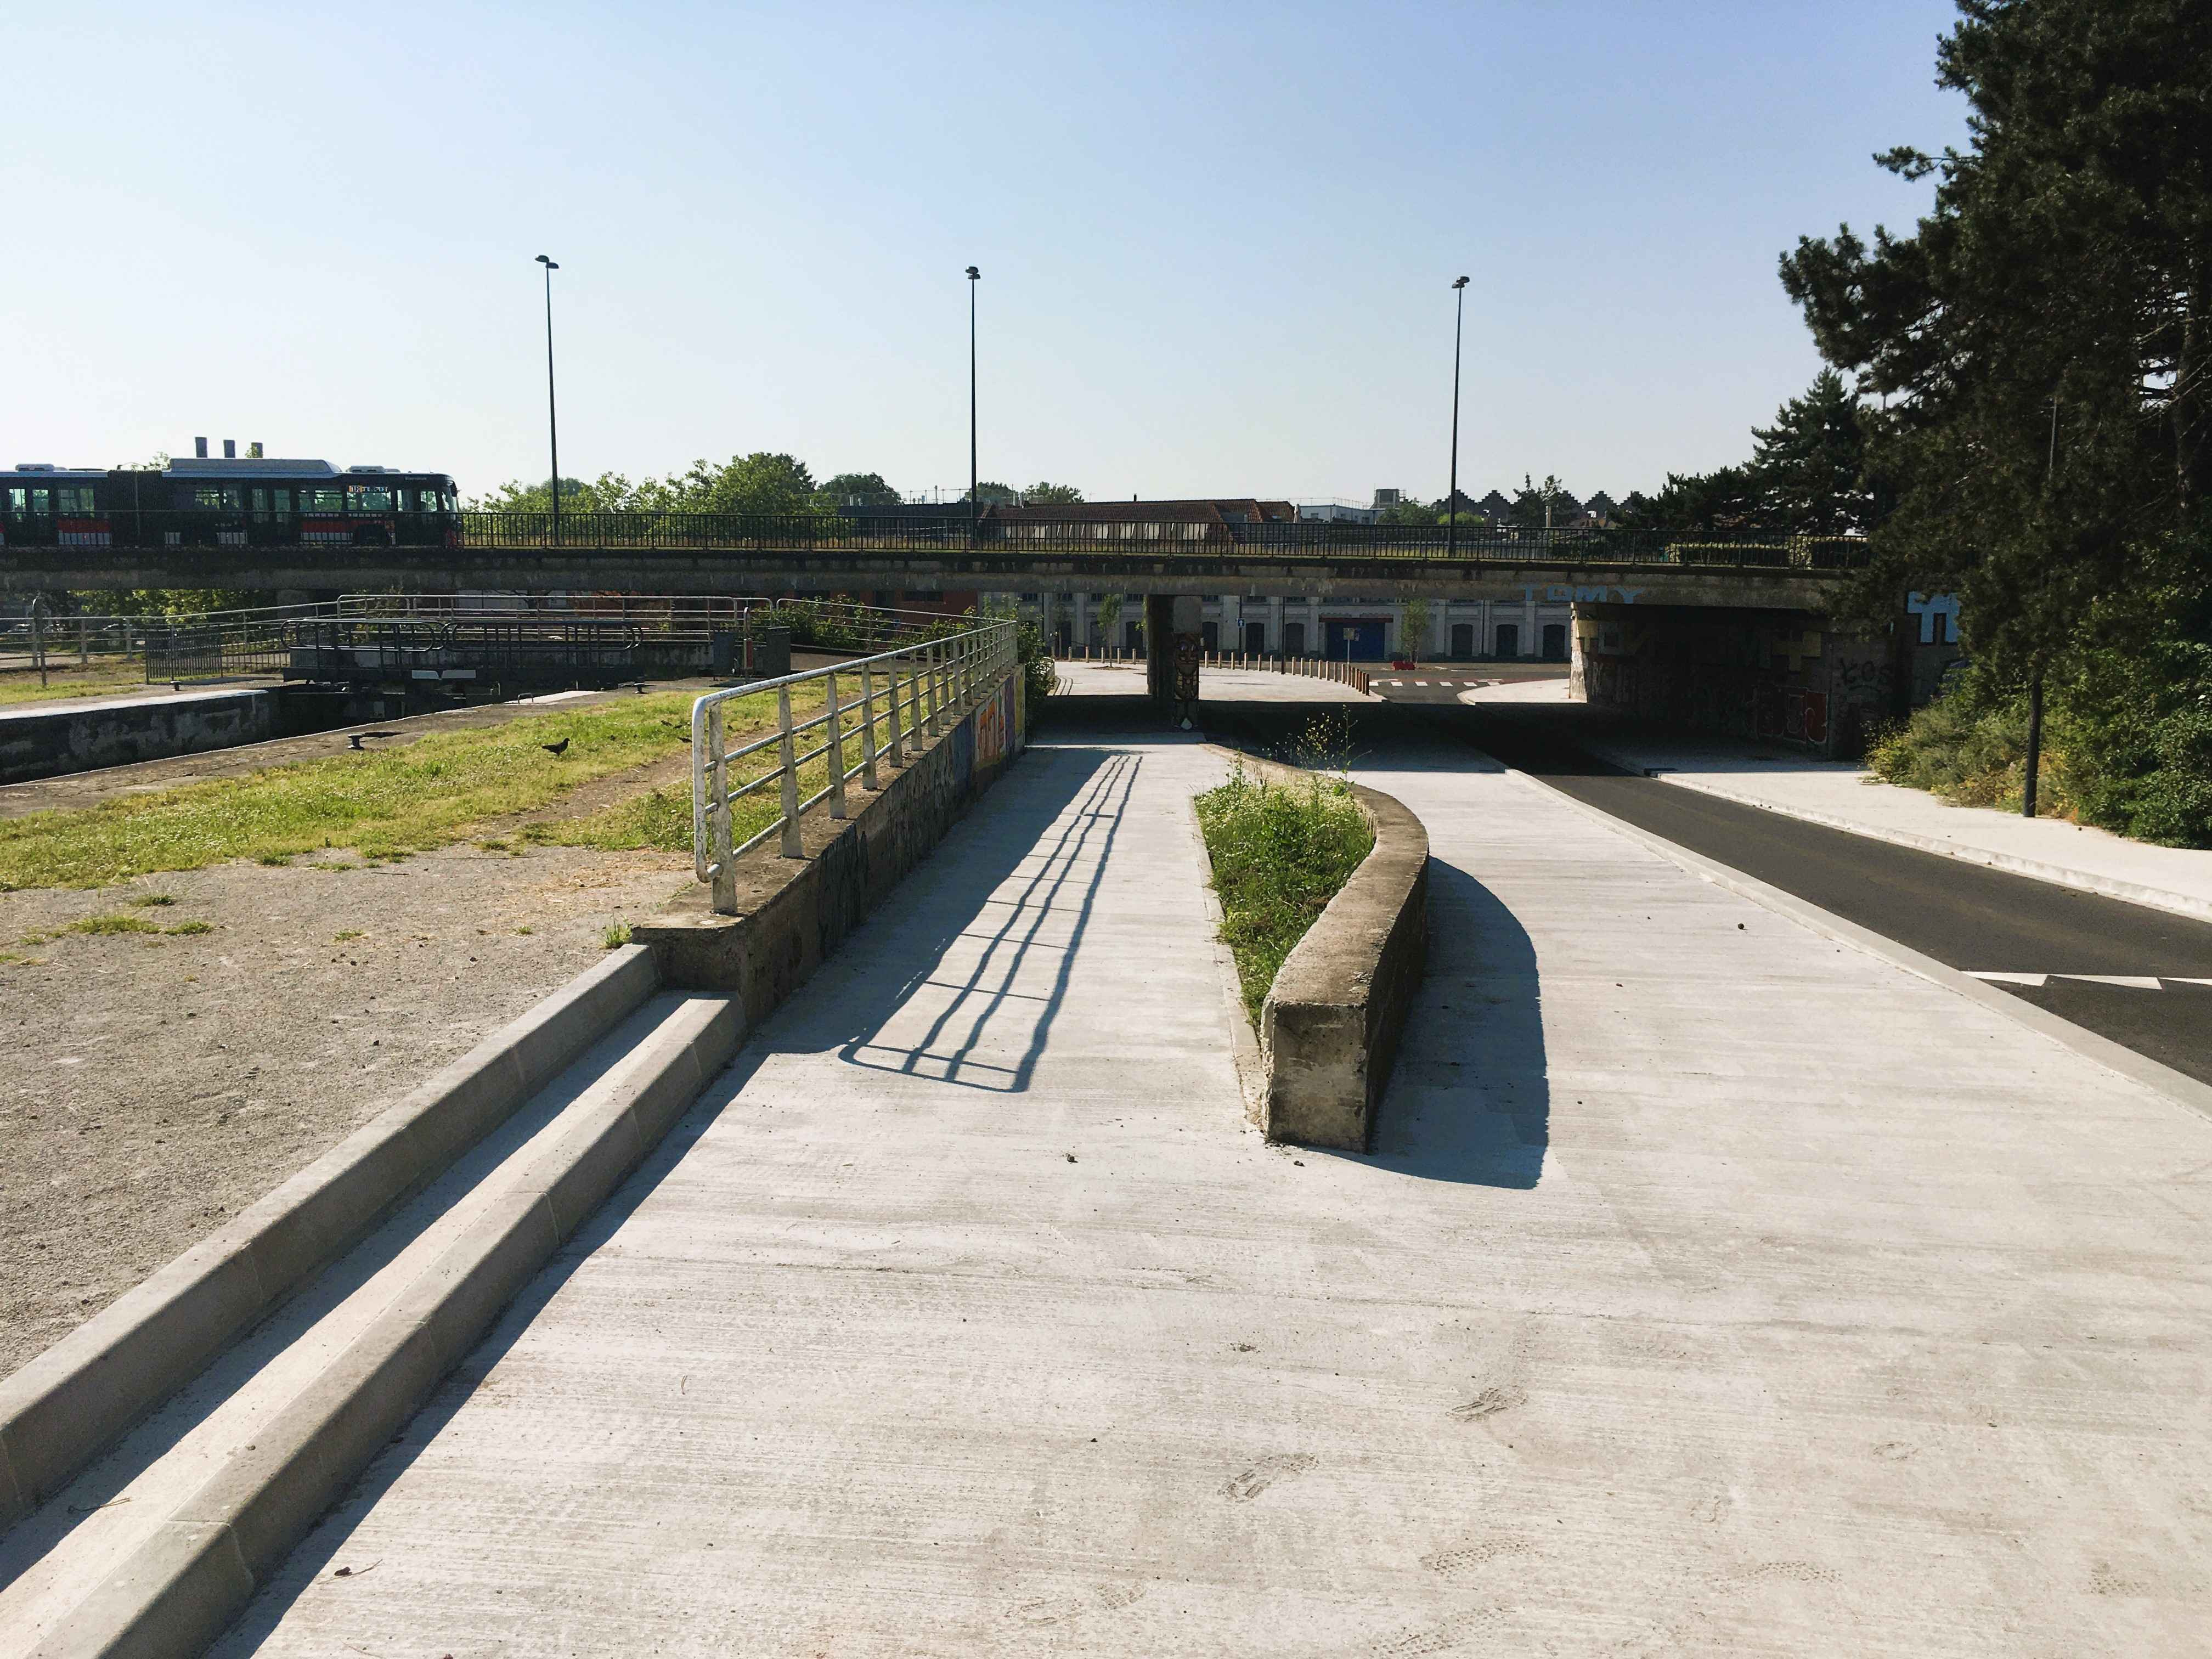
1967 917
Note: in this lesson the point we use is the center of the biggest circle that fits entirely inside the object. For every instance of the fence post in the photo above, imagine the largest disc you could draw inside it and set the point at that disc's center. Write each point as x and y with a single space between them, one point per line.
83 640
837 745
785 754
868 727
720 838
39 639
936 688
893 748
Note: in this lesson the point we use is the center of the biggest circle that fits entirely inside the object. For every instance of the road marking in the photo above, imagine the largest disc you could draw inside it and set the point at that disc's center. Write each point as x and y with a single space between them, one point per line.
2126 982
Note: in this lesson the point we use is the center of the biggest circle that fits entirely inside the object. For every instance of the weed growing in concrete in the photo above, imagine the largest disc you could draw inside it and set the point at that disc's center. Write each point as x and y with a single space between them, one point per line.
193 926
350 932
147 901
1279 853
614 937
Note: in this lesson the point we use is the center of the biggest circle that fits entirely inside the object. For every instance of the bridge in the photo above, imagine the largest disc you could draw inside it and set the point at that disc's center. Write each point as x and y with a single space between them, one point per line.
709 553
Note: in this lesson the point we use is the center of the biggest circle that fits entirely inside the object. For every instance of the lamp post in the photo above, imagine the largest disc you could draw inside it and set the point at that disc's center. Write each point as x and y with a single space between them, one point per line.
552 420
974 505
1451 501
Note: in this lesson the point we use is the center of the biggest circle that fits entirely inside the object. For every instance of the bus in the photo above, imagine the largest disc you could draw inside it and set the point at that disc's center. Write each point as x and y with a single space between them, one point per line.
247 501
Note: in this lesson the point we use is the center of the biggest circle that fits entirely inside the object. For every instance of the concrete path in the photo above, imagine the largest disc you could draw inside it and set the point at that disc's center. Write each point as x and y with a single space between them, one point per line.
1846 795
1101 679
1714 1289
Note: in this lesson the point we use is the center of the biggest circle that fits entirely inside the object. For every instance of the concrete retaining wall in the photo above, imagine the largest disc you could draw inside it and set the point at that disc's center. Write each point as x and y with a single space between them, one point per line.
794 912
51 739
1329 1029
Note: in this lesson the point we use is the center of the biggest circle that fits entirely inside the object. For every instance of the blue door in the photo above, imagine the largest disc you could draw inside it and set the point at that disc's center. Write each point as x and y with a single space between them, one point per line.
1358 641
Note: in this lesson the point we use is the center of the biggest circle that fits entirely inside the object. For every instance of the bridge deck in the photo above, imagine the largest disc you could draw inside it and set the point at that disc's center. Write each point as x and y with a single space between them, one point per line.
1714 1287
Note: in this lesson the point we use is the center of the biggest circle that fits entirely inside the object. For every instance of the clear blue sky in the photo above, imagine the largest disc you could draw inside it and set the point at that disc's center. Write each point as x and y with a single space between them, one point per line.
1217 241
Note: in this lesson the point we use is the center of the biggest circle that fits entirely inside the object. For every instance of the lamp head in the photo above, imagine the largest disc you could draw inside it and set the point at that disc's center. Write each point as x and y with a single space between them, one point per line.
549 265
1461 283
973 274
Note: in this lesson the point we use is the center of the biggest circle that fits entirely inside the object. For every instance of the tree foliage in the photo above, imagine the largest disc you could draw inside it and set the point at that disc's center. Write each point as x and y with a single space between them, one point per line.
863 489
1052 494
2041 343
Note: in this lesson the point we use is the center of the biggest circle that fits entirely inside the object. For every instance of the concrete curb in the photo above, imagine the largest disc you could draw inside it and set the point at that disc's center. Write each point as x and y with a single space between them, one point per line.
1329 1031
177 1592
72 1402
2084 881
2177 1086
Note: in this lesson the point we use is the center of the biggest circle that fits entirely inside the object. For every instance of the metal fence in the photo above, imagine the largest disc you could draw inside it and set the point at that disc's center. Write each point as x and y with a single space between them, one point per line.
906 697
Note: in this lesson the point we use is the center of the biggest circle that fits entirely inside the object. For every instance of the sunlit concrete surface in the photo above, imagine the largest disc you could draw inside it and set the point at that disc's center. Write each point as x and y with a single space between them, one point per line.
1713 1288
1101 679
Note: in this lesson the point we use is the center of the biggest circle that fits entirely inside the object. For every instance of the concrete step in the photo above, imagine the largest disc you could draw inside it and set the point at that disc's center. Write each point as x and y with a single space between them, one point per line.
157 1545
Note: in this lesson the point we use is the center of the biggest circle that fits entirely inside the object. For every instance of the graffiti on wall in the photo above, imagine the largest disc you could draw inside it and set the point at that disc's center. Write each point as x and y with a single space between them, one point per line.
994 724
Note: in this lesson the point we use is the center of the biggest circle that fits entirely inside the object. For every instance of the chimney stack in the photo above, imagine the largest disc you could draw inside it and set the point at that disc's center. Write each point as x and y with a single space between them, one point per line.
230 449
199 447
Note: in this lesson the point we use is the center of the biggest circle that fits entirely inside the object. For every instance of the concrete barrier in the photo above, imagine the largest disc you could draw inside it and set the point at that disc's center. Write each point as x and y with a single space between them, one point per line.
1329 1030
793 912
78 1397
49 739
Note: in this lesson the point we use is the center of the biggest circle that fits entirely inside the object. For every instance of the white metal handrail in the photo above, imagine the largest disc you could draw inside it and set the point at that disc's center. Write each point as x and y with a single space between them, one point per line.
907 696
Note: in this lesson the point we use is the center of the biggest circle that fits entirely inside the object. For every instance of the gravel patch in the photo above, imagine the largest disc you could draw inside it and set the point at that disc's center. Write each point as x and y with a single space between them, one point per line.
156 1083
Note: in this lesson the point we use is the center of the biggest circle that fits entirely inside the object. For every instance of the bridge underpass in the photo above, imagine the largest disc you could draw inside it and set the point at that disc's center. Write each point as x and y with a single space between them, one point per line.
1712 1284
1718 634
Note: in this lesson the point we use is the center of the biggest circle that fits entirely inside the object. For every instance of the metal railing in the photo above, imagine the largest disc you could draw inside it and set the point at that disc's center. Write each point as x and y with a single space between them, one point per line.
906 696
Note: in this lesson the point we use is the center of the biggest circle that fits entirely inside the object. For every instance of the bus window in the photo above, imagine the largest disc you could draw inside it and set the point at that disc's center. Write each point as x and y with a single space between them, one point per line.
73 501
368 498
261 507
16 500
225 497
322 500
283 502
42 501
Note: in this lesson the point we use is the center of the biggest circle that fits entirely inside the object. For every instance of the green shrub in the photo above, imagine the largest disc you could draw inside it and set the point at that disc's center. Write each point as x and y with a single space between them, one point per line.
1279 853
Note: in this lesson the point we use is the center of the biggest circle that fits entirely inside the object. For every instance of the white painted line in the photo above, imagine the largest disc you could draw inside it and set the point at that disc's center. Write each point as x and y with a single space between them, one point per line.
2193 982
1416 682
2033 980
2132 982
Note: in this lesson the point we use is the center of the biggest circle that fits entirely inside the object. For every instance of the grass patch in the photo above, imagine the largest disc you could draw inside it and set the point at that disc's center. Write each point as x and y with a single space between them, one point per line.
101 680
149 901
1279 853
659 820
429 795
114 924
350 932
615 936
191 928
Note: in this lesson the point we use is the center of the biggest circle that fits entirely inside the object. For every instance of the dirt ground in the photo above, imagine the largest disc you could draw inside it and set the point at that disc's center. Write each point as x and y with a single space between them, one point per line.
153 1085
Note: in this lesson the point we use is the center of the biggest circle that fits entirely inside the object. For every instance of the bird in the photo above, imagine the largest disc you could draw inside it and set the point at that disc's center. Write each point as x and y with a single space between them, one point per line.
356 737
555 749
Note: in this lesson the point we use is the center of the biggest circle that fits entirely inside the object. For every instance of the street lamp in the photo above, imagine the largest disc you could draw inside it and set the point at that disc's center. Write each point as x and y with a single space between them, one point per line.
974 276
1451 501
552 420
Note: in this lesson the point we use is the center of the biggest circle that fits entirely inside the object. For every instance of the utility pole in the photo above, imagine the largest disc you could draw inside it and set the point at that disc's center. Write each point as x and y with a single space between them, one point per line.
974 505
1451 501
552 417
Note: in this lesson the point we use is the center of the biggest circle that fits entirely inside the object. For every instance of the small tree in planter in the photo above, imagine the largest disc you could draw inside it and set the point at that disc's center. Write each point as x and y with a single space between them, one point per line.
1417 616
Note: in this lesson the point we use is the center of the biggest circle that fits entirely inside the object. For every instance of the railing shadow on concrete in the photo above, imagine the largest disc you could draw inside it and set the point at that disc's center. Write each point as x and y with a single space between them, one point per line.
1071 867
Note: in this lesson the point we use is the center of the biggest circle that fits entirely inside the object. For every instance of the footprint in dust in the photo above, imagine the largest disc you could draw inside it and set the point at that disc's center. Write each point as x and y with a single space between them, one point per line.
1489 1403
1244 1487
1107 1598
1455 1631
1792 1572
1452 1562
1894 1451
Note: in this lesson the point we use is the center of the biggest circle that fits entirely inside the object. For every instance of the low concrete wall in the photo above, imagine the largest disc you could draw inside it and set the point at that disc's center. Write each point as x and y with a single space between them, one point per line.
1329 1029
48 740
794 912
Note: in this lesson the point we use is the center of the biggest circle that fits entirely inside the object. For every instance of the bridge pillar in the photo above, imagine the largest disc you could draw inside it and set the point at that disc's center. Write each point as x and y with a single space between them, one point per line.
1172 642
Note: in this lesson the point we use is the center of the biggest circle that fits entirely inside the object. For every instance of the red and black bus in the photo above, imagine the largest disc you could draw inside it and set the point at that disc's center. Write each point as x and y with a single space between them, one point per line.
245 503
